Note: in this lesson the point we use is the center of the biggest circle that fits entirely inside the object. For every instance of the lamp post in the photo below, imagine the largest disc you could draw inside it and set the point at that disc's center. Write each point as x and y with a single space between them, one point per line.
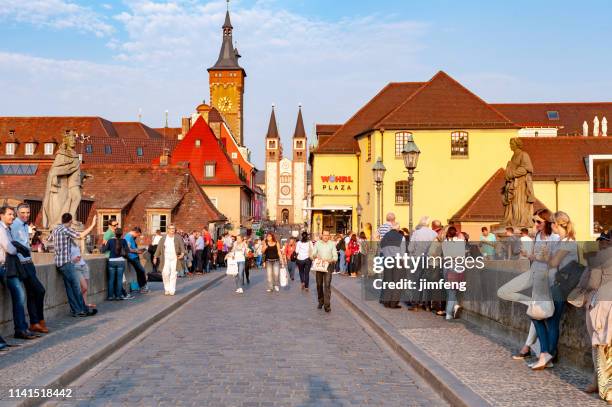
379 173
410 154
359 211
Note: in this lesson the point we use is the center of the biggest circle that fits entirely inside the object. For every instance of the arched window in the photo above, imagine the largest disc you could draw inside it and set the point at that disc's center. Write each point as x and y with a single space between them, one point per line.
402 192
401 139
285 215
459 144
285 178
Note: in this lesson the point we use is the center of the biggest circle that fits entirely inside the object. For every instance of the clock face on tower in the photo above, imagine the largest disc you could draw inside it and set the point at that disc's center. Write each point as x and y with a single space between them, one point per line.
225 104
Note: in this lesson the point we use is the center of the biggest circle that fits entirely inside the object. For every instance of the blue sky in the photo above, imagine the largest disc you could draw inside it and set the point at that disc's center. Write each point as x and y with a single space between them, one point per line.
112 58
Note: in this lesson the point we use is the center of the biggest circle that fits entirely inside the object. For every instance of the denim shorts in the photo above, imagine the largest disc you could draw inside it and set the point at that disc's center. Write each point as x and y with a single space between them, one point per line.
83 270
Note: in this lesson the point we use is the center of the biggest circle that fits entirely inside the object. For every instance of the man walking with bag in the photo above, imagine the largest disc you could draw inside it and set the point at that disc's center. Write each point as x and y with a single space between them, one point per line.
325 256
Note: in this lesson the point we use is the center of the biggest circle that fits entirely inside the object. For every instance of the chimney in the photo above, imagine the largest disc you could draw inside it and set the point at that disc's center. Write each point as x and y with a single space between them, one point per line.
164 160
185 126
186 175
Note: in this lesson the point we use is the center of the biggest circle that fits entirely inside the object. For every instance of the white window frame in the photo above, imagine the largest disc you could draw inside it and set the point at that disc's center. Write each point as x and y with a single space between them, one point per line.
49 148
234 155
155 221
591 193
10 148
212 172
30 148
198 143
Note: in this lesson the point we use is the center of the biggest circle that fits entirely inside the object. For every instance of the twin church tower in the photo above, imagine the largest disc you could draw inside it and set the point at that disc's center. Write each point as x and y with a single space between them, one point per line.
285 179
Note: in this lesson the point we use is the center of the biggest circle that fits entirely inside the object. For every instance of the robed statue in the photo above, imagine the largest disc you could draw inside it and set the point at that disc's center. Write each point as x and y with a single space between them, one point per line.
518 196
63 190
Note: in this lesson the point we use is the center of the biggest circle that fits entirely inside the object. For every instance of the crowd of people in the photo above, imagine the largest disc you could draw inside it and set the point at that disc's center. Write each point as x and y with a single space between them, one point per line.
556 274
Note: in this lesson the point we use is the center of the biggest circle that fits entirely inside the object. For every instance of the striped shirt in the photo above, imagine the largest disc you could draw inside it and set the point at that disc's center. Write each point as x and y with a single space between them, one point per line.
63 239
383 229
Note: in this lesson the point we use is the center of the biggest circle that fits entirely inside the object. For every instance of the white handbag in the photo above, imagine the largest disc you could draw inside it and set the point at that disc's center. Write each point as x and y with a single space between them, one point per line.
320 265
232 267
542 307
284 277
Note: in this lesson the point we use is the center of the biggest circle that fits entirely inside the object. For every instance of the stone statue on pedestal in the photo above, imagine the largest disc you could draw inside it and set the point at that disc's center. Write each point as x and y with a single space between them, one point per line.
518 196
63 190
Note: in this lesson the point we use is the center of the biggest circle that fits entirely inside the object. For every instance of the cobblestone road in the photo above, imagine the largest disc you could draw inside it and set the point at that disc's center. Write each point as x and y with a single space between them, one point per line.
258 349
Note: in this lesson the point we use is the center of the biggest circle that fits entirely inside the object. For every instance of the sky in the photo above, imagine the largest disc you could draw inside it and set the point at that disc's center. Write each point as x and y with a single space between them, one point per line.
116 58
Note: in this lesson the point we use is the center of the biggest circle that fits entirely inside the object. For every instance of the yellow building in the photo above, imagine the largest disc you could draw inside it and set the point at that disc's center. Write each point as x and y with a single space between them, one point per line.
463 142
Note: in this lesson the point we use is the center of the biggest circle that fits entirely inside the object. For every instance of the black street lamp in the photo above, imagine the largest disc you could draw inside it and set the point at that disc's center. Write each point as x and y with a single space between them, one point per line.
410 154
379 173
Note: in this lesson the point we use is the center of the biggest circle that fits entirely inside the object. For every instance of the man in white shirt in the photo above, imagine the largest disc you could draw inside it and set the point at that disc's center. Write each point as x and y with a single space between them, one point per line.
526 243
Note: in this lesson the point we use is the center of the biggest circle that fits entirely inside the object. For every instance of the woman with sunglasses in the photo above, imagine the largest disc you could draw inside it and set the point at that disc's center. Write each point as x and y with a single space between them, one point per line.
512 290
559 255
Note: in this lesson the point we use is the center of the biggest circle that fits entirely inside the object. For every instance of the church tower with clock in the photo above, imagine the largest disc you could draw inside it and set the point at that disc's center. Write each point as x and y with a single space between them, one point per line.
226 80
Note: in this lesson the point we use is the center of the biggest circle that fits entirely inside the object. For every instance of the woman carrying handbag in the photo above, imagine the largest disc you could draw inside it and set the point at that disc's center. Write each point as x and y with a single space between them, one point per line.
238 254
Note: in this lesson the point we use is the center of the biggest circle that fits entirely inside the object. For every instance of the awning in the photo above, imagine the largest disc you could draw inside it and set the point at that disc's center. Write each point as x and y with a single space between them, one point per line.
330 208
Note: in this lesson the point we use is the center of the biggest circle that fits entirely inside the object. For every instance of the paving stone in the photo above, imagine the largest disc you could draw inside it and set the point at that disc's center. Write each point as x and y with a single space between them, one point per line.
258 349
481 359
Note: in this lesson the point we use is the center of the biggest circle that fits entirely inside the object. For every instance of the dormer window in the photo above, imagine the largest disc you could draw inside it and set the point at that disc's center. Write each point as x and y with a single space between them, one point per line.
49 148
209 169
89 149
108 149
29 148
552 115
139 151
10 148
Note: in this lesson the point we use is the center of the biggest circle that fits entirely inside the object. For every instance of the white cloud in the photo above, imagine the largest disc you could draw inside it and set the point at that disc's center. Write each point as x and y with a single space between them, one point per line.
57 14
332 67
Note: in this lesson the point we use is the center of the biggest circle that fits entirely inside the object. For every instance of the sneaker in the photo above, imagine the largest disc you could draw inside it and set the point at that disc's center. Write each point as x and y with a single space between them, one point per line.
336 272
127 297
240 291
276 288
145 290
269 290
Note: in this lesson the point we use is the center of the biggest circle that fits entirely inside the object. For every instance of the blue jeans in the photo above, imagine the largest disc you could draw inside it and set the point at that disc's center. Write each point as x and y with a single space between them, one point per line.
291 266
240 275
341 261
35 293
18 299
258 260
548 329
115 278
72 283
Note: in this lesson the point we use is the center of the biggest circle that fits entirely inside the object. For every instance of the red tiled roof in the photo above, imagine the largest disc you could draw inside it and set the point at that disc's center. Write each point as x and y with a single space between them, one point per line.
132 188
210 150
327 129
486 204
443 103
379 106
571 115
124 138
170 133
563 157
